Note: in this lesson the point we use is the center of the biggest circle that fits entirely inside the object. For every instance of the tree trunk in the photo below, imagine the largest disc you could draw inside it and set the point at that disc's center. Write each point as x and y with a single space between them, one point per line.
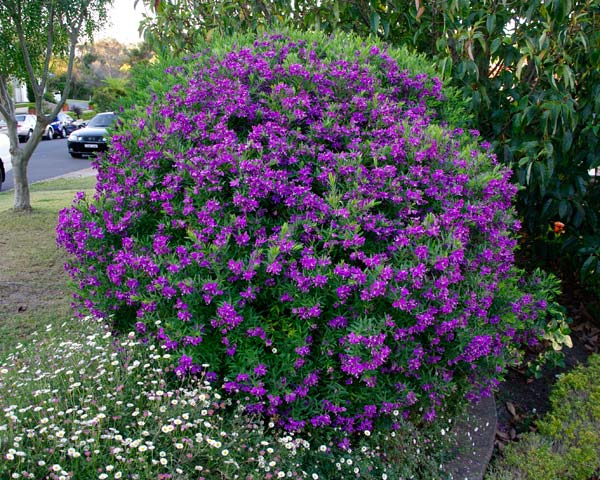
22 200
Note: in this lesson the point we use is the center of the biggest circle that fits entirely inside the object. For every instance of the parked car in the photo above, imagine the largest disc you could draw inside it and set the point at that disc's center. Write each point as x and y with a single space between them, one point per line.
77 124
63 125
4 156
25 125
91 139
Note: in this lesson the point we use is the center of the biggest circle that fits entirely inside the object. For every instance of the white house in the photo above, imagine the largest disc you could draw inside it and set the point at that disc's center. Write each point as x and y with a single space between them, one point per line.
19 91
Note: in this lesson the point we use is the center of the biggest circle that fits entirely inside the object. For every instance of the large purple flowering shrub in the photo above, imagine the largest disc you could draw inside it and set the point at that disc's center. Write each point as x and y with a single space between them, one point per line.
292 219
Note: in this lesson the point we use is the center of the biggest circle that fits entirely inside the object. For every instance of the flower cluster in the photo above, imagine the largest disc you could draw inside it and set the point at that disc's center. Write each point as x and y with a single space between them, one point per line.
295 214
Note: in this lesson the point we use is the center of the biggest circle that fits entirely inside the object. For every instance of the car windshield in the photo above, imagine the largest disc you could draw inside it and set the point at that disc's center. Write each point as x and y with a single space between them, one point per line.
102 120
20 118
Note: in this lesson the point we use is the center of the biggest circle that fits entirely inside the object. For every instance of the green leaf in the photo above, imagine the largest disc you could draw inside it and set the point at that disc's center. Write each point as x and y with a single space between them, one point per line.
579 215
589 266
520 64
386 28
490 23
567 141
374 21
494 45
540 169
528 176
446 67
563 208
546 208
542 41
476 100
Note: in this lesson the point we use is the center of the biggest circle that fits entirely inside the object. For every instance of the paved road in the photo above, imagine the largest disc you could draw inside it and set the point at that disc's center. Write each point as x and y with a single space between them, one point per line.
50 159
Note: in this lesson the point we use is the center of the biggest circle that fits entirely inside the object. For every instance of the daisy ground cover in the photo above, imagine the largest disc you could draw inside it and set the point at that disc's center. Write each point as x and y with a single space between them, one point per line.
77 402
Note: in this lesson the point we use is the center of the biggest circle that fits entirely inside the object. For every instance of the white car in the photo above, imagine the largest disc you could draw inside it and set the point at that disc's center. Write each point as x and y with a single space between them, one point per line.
4 157
25 125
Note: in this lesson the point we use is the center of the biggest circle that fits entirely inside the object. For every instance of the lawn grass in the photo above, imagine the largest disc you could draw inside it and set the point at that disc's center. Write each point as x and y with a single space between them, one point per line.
33 285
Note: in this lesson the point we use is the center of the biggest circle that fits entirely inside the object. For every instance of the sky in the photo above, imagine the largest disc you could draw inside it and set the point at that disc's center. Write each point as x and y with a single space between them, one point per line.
123 22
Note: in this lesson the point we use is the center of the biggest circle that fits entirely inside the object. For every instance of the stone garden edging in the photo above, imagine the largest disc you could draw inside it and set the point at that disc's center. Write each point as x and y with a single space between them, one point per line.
475 435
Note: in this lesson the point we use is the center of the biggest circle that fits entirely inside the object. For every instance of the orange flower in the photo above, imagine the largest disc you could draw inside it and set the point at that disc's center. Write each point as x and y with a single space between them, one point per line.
559 228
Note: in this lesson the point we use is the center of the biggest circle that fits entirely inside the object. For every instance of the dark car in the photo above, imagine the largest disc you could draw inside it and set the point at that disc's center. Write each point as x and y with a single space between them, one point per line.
2 173
63 125
91 139
4 156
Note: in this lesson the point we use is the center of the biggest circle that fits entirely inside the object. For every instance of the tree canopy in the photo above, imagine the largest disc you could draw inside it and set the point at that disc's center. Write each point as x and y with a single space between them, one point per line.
32 34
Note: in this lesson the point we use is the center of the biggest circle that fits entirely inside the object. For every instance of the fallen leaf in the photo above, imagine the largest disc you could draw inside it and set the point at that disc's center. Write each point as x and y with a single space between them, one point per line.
511 409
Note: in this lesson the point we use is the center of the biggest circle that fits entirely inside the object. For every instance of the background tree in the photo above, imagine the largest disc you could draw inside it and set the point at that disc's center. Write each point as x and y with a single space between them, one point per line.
58 75
104 60
108 95
528 71
32 33
142 53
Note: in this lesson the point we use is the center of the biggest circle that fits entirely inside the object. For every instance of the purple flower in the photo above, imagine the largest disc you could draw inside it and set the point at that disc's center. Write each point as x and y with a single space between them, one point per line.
260 370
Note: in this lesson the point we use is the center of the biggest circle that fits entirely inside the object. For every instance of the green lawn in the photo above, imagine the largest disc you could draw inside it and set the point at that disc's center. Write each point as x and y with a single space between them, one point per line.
33 285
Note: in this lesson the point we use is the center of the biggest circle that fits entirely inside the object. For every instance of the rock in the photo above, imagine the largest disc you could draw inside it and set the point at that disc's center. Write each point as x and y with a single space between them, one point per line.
474 437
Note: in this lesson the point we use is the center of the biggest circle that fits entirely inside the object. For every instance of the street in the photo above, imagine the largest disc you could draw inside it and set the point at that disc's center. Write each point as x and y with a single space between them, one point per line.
49 160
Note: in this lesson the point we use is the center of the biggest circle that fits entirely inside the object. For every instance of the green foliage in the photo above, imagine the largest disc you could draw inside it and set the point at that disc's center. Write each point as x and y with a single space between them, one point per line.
527 69
107 97
567 445
88 115
548 353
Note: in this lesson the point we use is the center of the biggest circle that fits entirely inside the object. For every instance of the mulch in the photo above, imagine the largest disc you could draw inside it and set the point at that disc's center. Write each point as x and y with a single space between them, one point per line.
521 400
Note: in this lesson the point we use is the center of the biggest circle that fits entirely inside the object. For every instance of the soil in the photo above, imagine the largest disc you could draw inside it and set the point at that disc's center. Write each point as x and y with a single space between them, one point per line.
521 399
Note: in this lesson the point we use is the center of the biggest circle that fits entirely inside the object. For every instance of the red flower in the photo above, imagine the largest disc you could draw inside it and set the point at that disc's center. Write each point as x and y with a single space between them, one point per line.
558 228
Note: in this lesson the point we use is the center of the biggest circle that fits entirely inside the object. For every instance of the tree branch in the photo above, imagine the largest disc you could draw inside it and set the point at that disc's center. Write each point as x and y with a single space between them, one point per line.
26 57
7 109
73 37
49 45
6 105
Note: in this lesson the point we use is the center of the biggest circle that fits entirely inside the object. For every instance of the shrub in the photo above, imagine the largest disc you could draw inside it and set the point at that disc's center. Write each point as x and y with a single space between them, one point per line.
567 445
77 110
106 97
295 214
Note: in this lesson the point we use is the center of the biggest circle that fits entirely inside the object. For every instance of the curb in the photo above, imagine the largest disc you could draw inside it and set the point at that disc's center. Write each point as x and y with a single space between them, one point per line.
85 172
474 436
